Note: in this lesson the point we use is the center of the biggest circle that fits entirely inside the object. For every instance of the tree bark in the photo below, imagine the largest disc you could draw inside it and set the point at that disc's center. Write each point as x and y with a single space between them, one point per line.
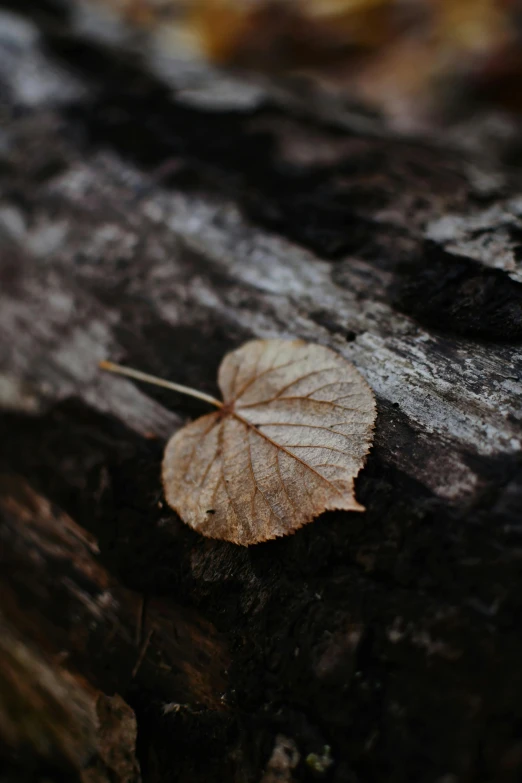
141 227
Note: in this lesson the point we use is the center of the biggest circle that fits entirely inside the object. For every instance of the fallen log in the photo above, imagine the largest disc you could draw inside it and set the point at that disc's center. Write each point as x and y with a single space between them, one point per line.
141 228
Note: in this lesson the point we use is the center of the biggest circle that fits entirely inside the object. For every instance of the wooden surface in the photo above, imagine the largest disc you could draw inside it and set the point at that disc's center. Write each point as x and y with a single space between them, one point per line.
138 226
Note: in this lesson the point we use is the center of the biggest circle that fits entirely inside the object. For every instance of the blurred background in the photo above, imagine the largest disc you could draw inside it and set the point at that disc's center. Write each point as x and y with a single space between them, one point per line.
414 62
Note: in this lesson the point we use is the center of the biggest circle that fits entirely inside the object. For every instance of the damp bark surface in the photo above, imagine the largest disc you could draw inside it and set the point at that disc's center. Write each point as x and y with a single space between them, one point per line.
139 226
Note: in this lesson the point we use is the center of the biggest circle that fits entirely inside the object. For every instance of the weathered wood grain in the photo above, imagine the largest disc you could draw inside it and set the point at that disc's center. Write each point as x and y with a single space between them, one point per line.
63 600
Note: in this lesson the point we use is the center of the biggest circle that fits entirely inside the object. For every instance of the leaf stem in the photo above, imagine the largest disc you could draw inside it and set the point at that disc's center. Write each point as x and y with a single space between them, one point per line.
118 369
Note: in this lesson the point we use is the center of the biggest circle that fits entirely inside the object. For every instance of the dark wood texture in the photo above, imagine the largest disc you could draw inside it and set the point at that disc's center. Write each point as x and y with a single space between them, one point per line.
139 225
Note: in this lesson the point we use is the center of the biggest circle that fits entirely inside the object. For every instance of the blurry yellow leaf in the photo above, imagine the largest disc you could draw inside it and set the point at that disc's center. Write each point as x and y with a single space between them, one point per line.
285 445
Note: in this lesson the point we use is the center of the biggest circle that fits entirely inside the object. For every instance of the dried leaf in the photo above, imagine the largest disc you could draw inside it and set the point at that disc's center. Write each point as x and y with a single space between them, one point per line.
286 443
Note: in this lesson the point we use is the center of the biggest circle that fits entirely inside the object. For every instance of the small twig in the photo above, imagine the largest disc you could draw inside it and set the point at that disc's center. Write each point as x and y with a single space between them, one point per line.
142 653
141 620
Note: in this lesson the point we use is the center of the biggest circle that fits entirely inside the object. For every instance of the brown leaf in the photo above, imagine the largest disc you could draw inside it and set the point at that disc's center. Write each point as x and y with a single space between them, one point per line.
292 434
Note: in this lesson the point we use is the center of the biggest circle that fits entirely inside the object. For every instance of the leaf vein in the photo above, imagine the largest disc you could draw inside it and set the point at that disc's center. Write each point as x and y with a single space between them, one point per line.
284 485
303 378
255 377
325 386
313 446
197 443
284 448
299 399
223 476
205 475
256 485
307 426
